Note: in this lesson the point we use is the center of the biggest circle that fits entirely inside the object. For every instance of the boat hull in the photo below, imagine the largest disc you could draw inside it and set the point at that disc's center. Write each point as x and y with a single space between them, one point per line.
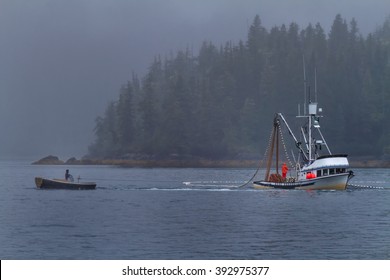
43 183
331 182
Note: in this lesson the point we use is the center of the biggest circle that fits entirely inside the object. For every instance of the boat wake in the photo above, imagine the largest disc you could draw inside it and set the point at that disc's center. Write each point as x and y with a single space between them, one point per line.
190 189
214 184
186 187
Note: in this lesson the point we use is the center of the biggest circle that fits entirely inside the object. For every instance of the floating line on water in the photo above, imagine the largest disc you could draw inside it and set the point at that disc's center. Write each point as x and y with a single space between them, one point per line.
130 180
371 182
230 184
188 189
356 186
192 189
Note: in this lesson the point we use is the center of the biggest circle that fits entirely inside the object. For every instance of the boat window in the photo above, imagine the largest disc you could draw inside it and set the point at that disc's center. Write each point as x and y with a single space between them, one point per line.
318 173
331 171
325 172
338 170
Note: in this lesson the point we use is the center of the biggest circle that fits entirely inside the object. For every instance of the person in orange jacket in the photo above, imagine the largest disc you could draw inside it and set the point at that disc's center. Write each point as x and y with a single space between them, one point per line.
284 170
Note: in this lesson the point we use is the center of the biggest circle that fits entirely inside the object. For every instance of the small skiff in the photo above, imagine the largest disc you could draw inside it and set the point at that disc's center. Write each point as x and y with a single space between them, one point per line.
43 183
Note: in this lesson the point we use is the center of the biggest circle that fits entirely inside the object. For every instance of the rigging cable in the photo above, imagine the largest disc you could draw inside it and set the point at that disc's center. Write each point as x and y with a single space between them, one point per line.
261 162
284 146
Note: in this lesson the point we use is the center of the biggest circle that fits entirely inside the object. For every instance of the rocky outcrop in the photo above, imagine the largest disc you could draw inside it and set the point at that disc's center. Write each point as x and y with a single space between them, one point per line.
49 160
73 160
54 160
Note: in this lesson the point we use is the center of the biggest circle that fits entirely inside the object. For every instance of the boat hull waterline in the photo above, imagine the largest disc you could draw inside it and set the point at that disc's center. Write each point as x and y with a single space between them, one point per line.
330 182
43 183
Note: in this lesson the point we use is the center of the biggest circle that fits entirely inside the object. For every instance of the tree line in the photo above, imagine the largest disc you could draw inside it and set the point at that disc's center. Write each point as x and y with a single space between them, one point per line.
221 102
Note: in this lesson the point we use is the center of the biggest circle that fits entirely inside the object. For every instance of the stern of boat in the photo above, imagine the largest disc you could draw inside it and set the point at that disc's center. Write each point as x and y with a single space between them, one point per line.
38 182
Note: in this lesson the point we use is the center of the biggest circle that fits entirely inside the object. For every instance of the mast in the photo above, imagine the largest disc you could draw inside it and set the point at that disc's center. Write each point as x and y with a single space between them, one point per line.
274 142
270 154
315 84
277 149
310 158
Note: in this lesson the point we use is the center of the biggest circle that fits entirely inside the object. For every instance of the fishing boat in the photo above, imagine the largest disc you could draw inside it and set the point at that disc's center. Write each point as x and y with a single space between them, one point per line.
311 170
44 183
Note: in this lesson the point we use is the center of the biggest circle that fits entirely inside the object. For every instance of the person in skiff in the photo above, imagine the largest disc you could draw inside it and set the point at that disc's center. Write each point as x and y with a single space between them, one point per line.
284 170
68 176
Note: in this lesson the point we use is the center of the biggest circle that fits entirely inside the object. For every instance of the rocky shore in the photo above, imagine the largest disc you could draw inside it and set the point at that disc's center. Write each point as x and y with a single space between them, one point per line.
186 163
190 163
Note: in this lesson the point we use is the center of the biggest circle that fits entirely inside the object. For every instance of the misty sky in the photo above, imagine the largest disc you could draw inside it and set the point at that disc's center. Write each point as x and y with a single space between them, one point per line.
62 61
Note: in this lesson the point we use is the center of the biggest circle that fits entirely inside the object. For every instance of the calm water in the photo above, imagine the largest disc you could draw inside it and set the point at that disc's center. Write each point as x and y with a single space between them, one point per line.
188 214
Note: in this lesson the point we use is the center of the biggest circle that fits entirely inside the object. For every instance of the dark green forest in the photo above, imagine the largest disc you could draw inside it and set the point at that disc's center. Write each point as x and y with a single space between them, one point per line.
220 102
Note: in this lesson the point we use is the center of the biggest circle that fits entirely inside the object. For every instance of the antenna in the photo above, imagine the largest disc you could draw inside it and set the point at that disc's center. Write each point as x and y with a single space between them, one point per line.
304 85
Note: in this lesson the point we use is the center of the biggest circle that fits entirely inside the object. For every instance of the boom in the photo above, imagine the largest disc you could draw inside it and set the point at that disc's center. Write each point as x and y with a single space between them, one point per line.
297 143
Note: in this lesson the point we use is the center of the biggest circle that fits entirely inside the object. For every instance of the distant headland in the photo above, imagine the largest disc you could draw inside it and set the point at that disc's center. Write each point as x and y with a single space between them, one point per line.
190 163
150 163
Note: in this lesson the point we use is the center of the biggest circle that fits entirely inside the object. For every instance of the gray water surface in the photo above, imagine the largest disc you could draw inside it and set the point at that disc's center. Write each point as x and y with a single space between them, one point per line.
188 213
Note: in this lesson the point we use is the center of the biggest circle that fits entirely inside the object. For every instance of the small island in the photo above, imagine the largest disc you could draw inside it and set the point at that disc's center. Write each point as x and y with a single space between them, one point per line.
54 160
49 160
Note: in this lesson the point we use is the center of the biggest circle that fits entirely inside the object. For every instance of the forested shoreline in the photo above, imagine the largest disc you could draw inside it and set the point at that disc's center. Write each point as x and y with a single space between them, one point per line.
219 104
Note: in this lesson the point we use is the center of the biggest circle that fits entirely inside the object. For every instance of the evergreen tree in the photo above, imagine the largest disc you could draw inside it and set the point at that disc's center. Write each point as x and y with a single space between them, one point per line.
150 108
106 144
125 119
